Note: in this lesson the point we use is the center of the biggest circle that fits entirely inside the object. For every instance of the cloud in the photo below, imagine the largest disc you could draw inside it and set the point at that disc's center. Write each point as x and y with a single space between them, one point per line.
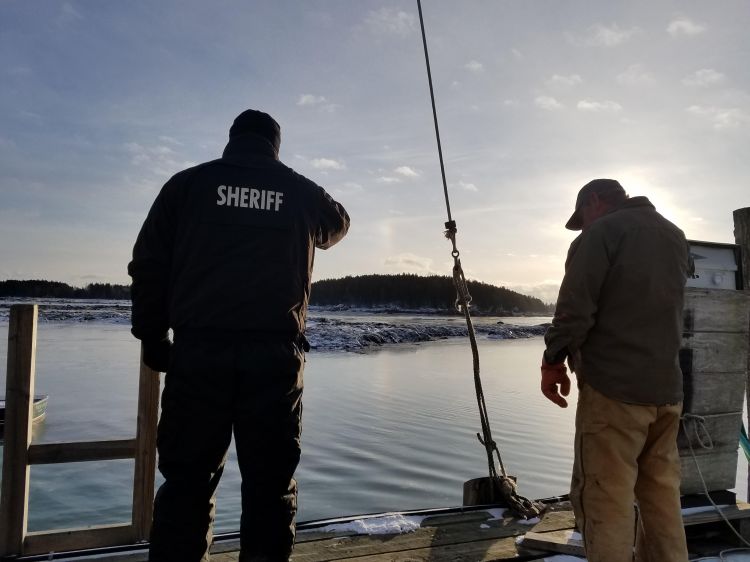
609 36
391 21
68 14
599 106
160 160
516 53
309 99
558 81
170 140
548 103
467 186
546 292
721 118
327 164
474 66
635 74
388 179
407 171
684 26
703 77
407 261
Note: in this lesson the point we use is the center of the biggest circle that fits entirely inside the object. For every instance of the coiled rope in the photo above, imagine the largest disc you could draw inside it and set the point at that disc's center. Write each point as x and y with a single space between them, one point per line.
507 486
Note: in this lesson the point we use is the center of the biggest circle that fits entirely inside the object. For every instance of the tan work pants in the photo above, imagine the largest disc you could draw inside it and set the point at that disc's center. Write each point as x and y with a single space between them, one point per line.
627 453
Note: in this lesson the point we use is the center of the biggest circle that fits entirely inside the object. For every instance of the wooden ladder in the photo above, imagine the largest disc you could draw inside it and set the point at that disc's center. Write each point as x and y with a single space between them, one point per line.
19 454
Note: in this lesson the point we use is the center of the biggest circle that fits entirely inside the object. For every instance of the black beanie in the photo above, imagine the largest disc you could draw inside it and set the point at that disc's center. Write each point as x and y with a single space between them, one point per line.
252 121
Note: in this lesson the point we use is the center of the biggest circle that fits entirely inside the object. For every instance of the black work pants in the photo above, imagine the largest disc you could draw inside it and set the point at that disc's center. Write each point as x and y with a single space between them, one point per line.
211 389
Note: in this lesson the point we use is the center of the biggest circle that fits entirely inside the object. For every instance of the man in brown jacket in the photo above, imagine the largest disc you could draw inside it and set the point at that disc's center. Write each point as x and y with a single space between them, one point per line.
618 322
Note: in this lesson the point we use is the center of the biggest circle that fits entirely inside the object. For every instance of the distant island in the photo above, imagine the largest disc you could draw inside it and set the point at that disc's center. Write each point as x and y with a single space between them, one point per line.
401 291
409 291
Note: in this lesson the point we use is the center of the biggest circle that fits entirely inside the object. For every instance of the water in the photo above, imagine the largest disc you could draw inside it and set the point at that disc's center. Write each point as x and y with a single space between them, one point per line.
389 428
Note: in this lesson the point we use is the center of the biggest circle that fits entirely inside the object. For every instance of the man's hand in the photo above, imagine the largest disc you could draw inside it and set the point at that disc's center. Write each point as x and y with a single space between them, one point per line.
156 354
553 375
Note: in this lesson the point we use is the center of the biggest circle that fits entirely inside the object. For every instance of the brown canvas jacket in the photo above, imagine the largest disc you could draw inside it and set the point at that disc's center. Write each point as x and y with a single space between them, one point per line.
619 311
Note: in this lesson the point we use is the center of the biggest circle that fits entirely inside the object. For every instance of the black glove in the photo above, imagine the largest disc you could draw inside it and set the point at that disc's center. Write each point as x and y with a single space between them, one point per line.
156 354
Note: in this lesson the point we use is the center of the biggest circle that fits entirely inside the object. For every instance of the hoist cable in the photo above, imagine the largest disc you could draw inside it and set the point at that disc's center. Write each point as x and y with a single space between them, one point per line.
505 484
434 114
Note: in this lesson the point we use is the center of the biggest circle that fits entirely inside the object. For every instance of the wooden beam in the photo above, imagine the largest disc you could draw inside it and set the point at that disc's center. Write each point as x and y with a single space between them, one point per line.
78 539
742 237
563 542
145 455
81 451
19 398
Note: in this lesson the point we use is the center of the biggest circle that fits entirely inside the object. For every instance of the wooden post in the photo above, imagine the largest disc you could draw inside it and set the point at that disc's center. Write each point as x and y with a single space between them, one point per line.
19 400
145 452
742 237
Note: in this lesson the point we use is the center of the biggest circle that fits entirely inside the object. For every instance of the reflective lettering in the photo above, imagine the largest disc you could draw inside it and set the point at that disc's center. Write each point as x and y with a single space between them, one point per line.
254 196
233 196
249 198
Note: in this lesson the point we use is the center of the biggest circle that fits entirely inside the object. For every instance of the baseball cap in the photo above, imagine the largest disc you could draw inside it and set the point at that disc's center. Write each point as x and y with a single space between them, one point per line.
598 186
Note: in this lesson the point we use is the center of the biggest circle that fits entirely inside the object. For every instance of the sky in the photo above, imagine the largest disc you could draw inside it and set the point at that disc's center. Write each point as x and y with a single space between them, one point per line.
102 101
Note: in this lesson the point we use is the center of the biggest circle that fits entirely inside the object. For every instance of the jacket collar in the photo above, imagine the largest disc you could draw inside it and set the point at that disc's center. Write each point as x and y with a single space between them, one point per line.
240 147
637 201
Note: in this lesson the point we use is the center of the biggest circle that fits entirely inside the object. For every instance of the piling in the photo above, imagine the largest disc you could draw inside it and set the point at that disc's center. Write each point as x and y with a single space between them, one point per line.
742 238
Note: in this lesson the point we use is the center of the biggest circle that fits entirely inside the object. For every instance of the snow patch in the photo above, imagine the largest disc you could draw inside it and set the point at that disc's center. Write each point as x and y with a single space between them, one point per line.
385 525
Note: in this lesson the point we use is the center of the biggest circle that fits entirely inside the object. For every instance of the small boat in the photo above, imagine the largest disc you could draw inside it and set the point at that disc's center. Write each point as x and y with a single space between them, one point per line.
38 412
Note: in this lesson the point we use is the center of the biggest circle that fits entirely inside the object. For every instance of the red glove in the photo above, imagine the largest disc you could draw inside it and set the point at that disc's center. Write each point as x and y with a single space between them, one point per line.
552 375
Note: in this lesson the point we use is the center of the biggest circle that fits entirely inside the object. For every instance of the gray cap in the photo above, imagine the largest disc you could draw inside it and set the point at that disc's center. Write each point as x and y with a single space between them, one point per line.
598 186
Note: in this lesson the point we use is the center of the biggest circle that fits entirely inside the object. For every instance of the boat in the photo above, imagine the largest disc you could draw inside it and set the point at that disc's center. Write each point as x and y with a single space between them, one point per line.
38 412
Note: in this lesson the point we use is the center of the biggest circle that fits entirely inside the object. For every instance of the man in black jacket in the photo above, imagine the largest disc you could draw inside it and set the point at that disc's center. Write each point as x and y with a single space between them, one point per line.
225 259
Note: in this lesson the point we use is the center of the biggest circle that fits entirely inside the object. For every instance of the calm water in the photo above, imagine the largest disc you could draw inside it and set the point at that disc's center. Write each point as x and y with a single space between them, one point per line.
389 429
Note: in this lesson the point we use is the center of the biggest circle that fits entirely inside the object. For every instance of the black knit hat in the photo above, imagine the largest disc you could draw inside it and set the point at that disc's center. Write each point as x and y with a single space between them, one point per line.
259 123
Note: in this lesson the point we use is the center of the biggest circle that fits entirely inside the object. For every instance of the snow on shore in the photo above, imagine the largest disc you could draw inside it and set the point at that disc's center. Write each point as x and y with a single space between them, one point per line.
327 330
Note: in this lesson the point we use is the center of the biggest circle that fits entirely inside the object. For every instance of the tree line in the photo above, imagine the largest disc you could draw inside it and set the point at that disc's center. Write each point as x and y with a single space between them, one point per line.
37 288
411 291
402 290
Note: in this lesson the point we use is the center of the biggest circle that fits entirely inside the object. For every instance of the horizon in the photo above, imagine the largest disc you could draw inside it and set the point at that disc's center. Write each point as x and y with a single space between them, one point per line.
106 101
327 279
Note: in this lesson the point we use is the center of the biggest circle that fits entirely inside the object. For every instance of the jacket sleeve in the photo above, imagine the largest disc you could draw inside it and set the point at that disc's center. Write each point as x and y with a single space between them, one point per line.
586 270
333 220
150 269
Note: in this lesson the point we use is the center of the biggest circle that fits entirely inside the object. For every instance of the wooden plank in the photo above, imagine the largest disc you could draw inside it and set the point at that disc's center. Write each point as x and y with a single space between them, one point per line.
716 310
739 511
563 542
76 539
444 537
81 451
719 470
19 394
715 352
478 550
145 456
713 393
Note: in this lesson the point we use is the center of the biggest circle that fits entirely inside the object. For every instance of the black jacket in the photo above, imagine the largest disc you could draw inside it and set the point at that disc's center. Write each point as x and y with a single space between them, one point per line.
228 247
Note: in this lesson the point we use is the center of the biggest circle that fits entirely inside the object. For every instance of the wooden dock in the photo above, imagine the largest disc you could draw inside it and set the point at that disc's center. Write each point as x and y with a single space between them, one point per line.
465 535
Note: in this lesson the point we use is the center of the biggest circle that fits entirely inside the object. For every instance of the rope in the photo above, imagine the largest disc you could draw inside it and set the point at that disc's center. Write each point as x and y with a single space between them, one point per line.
699 419
506 485
699 422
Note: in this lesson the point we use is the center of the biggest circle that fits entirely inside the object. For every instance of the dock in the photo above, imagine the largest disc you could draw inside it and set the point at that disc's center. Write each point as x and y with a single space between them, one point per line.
461 534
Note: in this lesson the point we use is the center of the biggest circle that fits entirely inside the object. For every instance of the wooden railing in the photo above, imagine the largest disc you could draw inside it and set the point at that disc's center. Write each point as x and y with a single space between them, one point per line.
20 453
